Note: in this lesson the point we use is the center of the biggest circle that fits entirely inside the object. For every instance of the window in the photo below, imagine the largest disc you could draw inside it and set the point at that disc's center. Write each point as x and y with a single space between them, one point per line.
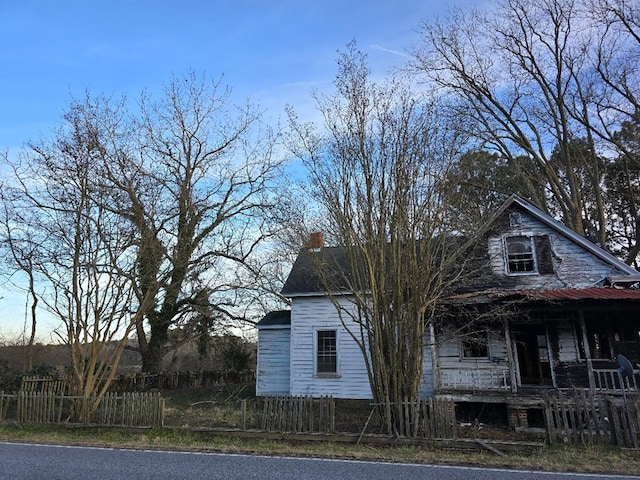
475 346
326 352
515 219
520 256
527 254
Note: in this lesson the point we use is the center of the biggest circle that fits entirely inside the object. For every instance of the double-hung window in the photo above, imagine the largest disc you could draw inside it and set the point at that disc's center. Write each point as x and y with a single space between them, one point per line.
520 254
326 352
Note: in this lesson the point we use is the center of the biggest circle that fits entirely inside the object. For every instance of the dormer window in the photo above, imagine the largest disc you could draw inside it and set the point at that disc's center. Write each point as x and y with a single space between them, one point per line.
520 258
527 254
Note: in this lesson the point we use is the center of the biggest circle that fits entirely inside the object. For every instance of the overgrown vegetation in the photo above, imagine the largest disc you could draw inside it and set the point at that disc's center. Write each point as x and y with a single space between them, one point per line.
376 173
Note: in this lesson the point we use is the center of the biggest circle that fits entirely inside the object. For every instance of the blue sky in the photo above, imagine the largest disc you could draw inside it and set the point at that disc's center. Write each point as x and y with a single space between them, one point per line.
275 52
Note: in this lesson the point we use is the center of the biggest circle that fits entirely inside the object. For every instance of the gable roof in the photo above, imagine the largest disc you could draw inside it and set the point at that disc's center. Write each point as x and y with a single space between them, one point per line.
305 280
563 230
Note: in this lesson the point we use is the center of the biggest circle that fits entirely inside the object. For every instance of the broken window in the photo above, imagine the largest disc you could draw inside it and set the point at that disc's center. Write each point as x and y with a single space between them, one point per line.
528 254
520 254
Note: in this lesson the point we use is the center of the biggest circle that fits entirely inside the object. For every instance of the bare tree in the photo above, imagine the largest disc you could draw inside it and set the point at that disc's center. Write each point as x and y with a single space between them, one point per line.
479 182
376 172
16 243
614 109
177 199
77 249
197 184
518 73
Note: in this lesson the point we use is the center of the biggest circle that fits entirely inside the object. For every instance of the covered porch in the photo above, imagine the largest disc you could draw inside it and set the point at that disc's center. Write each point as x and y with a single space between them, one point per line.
525 343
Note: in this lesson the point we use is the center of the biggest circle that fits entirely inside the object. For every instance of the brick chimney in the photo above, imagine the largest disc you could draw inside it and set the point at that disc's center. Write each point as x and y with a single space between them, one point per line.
316 241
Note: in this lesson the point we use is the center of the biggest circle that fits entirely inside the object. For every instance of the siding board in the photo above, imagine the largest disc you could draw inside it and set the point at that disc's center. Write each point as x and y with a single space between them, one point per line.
273 374
571 266
310 314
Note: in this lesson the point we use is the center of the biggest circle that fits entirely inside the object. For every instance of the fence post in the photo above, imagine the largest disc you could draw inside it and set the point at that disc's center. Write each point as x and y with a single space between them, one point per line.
243 414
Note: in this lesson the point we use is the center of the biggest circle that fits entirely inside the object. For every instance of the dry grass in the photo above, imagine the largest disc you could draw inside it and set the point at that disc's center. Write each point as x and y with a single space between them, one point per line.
216 407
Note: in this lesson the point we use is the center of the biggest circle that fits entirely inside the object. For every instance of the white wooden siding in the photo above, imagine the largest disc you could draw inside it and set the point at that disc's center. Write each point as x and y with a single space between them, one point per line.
309 314
574 267
426 386
456 372
272 373
567 344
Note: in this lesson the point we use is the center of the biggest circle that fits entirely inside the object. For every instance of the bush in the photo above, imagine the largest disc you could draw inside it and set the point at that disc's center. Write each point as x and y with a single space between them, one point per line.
10 379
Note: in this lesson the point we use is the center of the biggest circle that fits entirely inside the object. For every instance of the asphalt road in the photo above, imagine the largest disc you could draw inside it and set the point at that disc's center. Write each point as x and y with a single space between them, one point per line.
34 462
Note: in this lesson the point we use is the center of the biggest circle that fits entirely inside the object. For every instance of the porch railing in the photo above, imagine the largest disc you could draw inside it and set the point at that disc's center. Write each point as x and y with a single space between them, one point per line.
474 379
609 380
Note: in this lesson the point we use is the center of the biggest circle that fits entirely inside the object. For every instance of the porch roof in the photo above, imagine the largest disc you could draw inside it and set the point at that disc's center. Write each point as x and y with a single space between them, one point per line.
590 293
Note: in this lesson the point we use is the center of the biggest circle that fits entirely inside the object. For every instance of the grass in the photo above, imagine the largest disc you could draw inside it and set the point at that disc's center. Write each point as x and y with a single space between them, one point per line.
215 407
189 410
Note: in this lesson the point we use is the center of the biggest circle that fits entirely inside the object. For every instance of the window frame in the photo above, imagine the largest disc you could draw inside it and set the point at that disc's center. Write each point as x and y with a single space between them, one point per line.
534 257
317 352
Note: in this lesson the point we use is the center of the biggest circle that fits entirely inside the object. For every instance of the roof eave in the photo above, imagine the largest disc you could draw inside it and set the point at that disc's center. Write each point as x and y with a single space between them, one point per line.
316 294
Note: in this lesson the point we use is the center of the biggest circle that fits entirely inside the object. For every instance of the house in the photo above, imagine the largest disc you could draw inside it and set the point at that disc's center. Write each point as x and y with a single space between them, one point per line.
550 310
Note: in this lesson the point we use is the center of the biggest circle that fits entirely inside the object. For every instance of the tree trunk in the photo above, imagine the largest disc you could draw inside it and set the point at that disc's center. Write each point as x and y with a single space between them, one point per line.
155 349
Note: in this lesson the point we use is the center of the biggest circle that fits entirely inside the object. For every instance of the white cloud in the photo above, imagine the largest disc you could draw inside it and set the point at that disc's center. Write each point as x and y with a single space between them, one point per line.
390 50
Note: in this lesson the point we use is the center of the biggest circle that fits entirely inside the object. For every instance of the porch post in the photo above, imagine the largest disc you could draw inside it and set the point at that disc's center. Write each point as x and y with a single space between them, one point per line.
587 351
511 360
552 365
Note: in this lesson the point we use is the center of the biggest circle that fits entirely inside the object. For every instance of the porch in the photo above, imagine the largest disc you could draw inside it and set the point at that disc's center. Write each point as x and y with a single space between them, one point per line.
605 380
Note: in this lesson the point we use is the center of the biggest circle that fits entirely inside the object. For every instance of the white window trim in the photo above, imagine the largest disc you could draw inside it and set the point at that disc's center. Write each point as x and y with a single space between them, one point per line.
505 254
317 374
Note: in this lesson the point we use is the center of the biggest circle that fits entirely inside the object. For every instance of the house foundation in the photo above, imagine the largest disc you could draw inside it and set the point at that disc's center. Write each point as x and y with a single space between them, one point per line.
518 417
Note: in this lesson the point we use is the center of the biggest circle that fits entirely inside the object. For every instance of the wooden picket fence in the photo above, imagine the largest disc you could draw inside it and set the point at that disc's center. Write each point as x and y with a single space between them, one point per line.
584 418
128 409
37 383
144 381
429 418
298 414
438 418
132 409
304 414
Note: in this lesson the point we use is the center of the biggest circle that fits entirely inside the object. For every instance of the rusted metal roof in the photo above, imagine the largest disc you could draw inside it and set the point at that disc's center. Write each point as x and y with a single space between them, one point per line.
567 294
592 293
